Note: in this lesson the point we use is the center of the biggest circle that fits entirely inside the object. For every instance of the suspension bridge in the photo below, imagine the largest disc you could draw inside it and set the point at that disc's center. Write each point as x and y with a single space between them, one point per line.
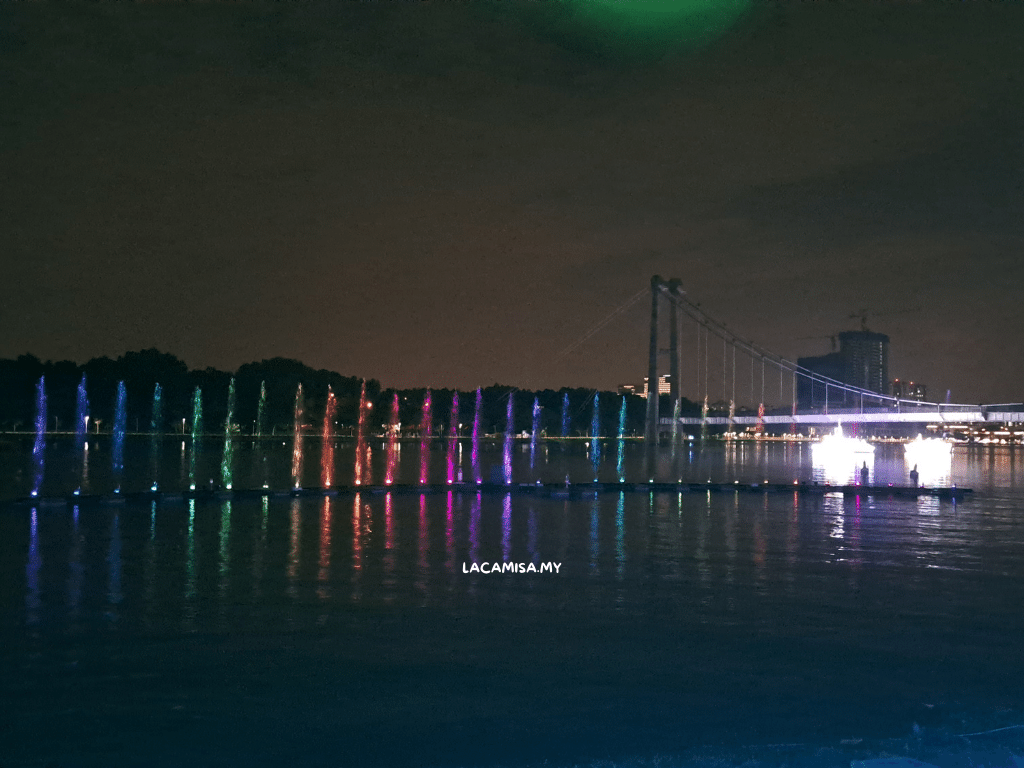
805 395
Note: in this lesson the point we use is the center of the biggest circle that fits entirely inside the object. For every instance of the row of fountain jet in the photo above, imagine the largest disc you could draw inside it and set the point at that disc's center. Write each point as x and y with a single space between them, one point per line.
361 471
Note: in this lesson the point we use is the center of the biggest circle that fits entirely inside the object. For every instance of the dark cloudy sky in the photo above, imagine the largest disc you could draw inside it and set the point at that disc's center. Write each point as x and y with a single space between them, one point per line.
451 194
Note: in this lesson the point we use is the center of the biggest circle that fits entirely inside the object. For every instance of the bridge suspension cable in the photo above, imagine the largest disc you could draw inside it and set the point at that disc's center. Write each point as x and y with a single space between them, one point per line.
843 394
753 349
601 324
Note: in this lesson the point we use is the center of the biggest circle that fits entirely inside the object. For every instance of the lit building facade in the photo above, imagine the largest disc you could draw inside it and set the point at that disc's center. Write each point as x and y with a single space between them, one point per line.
862 361
909 390
664 385
865 360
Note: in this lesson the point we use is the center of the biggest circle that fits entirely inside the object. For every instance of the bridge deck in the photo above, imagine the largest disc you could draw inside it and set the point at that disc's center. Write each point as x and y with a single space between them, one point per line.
864 417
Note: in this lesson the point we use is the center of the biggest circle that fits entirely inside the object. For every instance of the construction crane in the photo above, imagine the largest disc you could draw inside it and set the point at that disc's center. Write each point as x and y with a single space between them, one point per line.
864 314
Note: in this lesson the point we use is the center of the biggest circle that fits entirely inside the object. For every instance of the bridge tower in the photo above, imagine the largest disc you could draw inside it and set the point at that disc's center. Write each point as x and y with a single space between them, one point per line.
672 291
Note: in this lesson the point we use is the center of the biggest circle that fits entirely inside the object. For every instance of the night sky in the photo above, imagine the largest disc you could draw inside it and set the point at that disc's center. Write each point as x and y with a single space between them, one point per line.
452 194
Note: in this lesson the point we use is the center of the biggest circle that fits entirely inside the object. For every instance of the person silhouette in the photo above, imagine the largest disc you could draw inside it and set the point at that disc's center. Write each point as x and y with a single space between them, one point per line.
864 474
914 476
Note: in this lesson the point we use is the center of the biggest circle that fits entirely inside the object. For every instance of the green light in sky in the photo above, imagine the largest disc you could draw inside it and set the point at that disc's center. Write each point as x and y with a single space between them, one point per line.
657 26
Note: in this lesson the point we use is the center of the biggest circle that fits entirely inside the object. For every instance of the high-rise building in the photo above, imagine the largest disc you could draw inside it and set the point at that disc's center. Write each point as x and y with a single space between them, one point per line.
664 385
865 360
862 361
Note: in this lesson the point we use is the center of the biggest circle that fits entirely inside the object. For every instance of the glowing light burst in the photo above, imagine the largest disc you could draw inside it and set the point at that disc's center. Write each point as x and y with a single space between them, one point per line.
839 458
927 449
506 457
327 449
226 459
453 438
595 432
39 446
931 458
565 414
426 426
392 452
839 443
197 430
475 457
300 410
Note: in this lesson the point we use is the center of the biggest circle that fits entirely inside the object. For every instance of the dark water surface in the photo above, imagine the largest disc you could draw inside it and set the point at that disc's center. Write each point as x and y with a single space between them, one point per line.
711 629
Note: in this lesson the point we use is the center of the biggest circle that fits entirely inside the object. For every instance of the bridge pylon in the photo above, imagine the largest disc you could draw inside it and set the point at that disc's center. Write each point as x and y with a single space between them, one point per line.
671 289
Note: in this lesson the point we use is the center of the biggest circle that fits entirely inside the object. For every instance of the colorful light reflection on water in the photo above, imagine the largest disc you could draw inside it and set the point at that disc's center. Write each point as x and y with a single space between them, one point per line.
706 566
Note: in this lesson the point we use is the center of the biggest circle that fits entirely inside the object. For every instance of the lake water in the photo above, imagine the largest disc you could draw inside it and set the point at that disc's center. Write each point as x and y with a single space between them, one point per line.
680 629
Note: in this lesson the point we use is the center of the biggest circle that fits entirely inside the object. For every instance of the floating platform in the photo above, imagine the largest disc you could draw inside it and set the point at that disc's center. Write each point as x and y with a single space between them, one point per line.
544 490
